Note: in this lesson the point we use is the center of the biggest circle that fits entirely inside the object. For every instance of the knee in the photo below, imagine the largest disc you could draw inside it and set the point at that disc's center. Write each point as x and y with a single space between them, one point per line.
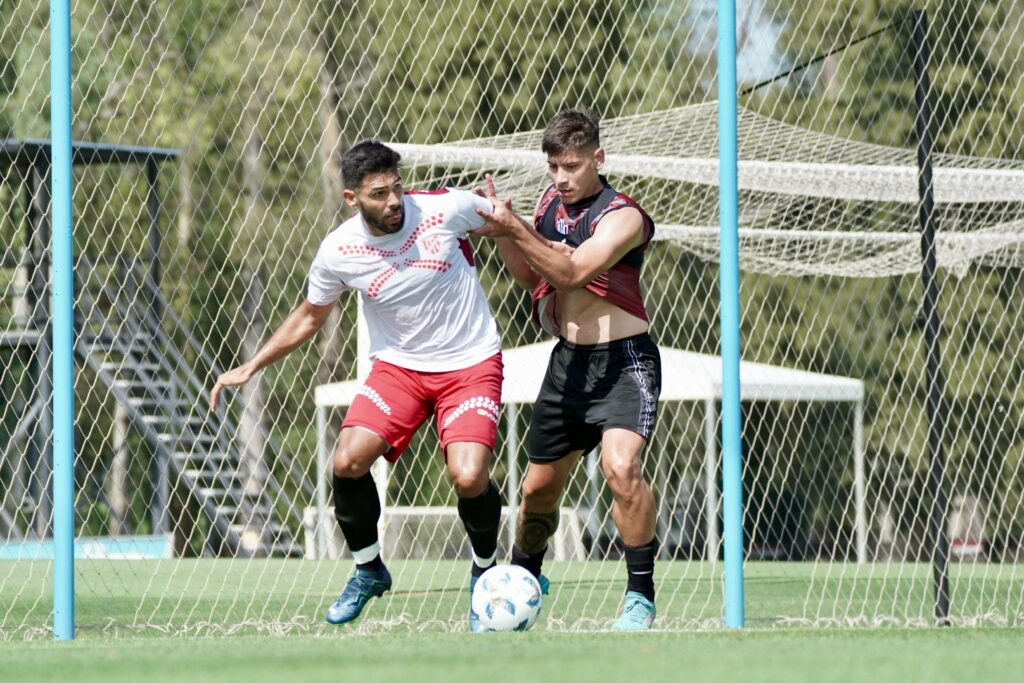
541 495
622 472
469 479
347 466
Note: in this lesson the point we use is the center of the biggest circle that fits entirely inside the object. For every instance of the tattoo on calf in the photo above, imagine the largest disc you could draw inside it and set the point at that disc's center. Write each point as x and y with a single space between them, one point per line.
534 529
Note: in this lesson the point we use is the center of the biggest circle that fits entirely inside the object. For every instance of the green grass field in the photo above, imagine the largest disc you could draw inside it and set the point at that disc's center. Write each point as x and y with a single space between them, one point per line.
258 620
875 656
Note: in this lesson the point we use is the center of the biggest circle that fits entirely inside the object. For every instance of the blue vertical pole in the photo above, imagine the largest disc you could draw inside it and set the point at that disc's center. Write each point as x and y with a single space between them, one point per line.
62 307
729 285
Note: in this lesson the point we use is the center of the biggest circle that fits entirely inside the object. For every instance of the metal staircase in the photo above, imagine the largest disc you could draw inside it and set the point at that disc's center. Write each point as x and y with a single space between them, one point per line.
127 334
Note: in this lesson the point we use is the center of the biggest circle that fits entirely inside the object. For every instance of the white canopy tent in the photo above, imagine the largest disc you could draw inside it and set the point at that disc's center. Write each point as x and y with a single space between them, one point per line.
686 376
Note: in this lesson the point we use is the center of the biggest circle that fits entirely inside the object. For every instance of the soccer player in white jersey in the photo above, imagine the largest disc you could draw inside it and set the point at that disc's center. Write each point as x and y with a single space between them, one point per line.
435 348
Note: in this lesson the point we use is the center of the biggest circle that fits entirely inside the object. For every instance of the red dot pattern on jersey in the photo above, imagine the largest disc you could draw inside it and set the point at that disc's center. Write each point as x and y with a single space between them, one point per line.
372 251
378 282
425 224
374 289
431 263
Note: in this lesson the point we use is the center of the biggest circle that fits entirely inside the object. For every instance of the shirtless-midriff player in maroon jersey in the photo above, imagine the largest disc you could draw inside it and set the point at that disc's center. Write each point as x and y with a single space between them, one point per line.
582 257
609 305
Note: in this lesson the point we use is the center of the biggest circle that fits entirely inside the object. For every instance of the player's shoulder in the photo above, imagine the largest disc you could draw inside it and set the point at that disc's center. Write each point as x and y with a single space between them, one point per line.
625 213
439 197
622 208
622 201
447 200
429 193
348 231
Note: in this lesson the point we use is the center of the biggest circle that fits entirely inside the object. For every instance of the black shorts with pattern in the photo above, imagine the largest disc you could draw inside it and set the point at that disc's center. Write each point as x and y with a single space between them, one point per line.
589 389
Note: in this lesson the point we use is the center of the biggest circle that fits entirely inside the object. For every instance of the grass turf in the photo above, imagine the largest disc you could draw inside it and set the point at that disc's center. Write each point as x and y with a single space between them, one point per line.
270 614
872 656
198 597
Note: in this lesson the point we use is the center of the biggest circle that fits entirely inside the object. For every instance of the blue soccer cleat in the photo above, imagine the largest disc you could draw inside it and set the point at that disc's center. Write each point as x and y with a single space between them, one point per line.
364 584
474 620
637 614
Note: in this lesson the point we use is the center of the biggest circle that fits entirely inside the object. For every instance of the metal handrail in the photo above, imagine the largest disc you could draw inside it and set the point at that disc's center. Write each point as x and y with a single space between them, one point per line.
179 325
137 317
153 437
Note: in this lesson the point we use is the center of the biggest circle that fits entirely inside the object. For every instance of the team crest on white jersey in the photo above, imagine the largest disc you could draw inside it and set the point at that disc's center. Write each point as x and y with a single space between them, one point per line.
431 243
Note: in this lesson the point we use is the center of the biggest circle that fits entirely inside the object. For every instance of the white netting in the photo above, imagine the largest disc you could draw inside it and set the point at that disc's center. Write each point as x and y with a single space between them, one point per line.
797 187
195 225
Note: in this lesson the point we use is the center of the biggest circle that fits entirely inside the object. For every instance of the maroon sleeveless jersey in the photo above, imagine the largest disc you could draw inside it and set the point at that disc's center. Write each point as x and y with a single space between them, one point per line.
573 225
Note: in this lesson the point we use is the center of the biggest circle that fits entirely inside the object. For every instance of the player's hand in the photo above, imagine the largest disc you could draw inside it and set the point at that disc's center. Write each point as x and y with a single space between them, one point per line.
502 221
232 378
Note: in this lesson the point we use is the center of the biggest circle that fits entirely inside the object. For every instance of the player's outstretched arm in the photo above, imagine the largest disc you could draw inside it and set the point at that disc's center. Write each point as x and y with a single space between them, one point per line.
522 273
300 325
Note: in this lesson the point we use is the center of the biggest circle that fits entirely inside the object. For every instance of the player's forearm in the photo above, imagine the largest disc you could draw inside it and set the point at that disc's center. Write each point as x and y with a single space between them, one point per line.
521 271
297 328
547 262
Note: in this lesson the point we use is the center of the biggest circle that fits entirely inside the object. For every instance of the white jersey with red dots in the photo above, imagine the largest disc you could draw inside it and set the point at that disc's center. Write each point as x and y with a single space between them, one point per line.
424 306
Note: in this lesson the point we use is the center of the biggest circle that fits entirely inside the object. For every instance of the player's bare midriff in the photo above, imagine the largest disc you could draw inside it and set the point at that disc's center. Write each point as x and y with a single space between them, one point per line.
588 319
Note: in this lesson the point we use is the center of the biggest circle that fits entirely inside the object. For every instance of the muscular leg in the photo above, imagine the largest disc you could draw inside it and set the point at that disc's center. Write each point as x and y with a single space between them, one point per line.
538 512
479 499
356 503
633 508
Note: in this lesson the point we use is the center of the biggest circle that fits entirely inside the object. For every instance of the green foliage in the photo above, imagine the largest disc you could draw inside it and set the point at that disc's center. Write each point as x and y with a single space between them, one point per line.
214 78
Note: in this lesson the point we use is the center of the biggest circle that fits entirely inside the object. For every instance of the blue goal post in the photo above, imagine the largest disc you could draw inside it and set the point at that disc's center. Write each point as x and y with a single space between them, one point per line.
729 293
63 443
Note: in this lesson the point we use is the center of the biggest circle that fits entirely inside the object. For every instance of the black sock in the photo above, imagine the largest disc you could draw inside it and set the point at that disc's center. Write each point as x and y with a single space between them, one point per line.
357 509
477 570
376 564
529 561
481 515
640 566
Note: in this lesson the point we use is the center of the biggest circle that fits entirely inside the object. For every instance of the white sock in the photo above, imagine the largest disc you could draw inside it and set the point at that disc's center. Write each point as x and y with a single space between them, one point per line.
484 562
366 554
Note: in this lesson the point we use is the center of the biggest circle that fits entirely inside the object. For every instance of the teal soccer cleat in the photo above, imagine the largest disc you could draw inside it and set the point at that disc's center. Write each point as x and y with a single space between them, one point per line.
637 614
364 584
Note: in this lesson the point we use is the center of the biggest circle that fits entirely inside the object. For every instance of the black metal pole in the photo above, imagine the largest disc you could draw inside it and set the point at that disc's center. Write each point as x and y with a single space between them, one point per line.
40 286
161 479
34 449
154 239
932 323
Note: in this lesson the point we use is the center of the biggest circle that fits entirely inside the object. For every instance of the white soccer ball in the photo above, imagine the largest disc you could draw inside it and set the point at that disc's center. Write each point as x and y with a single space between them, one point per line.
506 598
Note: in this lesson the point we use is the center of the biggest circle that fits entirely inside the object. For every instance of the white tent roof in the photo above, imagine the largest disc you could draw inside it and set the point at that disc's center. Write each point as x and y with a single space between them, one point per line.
686 376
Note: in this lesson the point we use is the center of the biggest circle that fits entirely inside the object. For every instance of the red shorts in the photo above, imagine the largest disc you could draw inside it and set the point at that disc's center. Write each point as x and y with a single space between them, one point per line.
393 402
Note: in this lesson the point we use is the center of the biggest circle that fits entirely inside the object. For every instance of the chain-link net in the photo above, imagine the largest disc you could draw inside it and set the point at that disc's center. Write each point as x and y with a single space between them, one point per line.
208 172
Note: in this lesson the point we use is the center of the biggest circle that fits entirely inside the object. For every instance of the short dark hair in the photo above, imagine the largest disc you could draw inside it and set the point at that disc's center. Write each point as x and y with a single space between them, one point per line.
571 129
365 158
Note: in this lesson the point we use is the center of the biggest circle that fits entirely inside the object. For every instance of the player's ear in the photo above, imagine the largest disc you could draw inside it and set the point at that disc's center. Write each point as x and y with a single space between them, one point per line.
349 196
599 157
